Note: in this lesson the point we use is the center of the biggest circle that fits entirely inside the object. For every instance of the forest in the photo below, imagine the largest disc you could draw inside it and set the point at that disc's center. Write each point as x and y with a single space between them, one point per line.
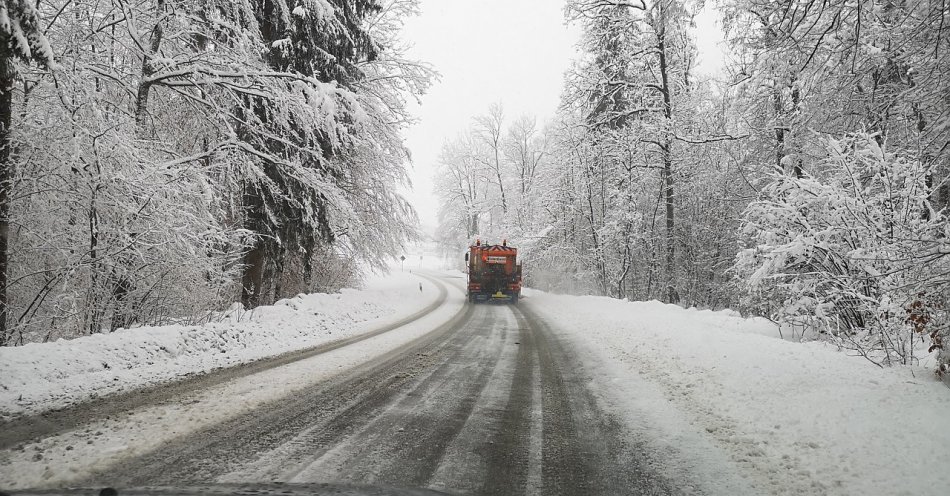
161 159
810 184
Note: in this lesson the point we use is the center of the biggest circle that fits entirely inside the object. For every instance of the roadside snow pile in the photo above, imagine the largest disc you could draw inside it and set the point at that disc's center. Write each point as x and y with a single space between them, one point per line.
43 376
793 418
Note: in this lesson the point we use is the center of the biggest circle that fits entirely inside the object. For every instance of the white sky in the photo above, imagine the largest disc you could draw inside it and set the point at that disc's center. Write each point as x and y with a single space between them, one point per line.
514 52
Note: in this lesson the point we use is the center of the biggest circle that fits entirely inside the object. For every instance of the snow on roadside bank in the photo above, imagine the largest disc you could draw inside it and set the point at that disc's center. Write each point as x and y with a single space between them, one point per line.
43 376
790 418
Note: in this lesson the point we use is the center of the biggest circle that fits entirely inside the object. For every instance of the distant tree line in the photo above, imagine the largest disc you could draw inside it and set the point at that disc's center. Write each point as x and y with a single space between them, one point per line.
163 158
811 184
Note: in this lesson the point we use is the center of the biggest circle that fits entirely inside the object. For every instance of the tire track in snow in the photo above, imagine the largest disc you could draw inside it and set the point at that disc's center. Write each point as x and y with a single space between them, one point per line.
23 429
511 458
584 449
219 449
407 443
489 403
474 460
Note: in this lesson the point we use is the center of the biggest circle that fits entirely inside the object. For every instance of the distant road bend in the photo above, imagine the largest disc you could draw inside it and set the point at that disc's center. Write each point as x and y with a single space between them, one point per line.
489 403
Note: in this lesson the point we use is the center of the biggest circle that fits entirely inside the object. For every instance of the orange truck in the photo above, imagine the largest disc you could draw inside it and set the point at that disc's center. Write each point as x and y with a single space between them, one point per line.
494 273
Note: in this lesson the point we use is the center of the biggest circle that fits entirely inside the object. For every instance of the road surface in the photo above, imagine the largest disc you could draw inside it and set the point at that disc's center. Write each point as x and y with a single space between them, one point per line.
489 403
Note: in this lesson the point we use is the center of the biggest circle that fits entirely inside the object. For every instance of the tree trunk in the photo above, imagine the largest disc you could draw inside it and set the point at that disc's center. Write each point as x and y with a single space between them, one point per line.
252 280
671 294
472 225
96 308
7 76
155 43
501 184
309 244
278 276
599 259
779 126
122 315
667 152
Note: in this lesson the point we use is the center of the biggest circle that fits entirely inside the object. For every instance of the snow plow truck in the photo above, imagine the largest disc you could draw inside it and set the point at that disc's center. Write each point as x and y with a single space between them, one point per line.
494 273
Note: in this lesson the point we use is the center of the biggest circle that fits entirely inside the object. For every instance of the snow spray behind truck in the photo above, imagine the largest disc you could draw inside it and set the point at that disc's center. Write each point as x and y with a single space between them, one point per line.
493 272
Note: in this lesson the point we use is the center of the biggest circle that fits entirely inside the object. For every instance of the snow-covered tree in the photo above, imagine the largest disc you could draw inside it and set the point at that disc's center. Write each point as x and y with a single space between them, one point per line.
180 147
837 92
854 248
639 127
21 40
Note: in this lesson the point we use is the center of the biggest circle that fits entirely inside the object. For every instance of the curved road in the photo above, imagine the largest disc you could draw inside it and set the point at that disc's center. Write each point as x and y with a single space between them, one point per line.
489 403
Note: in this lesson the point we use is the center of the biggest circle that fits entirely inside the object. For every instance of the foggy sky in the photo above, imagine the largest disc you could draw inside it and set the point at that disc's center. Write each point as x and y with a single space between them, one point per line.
513 52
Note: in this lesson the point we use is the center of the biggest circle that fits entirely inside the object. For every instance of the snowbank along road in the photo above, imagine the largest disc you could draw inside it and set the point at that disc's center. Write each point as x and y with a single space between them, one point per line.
24 428
485 400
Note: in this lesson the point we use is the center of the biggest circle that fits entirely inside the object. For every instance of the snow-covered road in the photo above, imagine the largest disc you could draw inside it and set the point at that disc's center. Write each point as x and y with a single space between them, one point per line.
728 401
59 447
487 402
42 377
558 395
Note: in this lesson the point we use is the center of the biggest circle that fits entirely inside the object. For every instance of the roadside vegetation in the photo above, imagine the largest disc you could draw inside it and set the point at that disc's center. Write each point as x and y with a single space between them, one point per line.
162 159
810 184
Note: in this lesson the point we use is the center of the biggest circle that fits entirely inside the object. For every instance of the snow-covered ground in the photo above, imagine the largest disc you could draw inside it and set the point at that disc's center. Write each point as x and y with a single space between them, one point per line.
64 458
711 394
711 390
43 376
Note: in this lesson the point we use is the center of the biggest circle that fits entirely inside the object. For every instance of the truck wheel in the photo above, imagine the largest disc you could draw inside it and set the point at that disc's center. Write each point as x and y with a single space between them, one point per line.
514 300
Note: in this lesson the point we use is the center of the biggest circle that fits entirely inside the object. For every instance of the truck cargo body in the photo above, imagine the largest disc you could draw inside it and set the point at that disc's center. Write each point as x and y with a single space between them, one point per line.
493 273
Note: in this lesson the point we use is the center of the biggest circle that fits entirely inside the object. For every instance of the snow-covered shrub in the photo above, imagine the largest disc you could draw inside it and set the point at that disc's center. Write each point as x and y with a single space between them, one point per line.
155 180
854 250
108 233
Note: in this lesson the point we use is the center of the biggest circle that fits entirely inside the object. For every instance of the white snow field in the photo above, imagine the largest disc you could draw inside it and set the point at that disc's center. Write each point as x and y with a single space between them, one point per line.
709 390
43 376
